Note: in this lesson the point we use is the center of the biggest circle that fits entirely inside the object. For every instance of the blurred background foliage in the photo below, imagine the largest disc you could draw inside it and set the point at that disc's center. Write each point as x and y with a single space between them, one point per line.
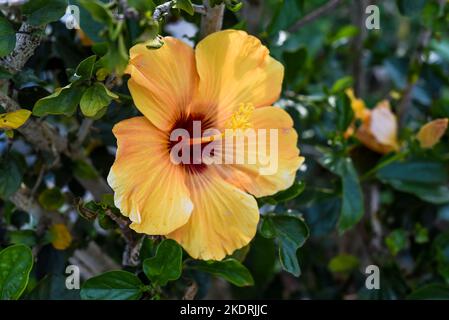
359 199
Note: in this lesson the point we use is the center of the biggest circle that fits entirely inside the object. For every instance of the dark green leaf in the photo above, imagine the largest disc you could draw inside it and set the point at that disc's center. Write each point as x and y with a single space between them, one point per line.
10 176
435 291
185 5
228 269
62 101
7 36
85 69
112 285
95 99
51 199
286 195
98 11
52 287
414 171
352 206
39 12
441 254
345 114
166 265
25 237
291 233
15 266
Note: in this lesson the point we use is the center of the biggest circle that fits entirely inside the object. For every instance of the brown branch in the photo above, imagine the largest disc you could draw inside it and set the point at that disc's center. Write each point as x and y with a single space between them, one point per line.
358 69
27 40
314 15
212 21
40 134
415 65
133 241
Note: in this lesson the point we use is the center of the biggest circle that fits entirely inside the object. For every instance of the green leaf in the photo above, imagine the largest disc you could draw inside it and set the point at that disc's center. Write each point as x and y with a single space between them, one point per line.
424 179
98 11
229 269
62 101
342 84
421 234
352 206
7 36
234 5
95 99
185 5
112 285
51 199
116 58
286 14
343 263
291 233
166 265
39 12
52 287
396 241
434 291
85 69
410 8
11 176
84 170
345 114
414 171
286 195
440 248
15 266
25 237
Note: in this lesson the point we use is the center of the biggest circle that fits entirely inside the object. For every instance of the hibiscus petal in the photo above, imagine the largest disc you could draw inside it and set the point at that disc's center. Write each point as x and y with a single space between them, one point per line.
235 68
273 170
430 133
163 81
149 189
224 218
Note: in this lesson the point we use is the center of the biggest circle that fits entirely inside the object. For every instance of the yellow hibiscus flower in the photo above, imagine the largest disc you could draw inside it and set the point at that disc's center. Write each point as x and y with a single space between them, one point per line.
228 81
379 129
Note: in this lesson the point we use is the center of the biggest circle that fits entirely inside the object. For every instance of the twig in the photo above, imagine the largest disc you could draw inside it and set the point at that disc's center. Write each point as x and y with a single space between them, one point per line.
423 40
83 131
212 21
133 242
40 134
27 40
358 69
314 15
162 9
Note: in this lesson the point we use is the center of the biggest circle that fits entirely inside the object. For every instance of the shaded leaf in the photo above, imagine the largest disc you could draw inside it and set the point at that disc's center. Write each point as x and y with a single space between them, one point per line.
166 265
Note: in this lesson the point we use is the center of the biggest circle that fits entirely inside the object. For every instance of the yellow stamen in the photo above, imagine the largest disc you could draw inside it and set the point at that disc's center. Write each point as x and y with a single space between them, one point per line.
239 120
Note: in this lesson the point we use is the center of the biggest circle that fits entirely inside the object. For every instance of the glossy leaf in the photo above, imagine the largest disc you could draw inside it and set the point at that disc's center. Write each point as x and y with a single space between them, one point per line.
166 265
112 285
291 233
15 266
63 101
229 269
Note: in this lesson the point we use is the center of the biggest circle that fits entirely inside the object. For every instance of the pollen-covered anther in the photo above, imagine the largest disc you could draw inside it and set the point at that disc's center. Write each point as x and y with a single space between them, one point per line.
240 119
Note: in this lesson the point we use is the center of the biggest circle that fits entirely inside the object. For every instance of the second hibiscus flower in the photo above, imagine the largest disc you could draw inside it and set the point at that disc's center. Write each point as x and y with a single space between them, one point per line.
228 82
